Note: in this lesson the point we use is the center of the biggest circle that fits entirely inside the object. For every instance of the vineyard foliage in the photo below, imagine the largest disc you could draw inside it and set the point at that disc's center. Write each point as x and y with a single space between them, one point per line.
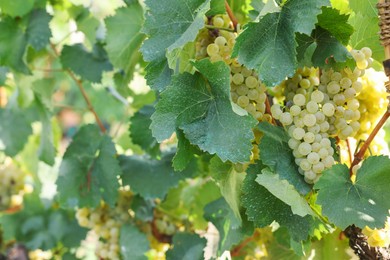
191 129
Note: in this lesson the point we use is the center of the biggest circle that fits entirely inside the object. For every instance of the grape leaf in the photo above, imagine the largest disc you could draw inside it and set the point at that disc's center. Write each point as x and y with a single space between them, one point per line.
185 152
284 191
122 45
89 66
140 133
15 128
336 24
269 46
326 46
186 246
88 24
366 8
16 7
224 219
200 105
141 174
216 7
143 208
363 203
229 181
366 35
277 155
158 74
89 170
12 45
263 208
38 31
170 25
133 243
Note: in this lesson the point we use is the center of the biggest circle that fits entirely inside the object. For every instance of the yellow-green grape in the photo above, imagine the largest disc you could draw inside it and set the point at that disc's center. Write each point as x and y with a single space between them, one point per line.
378 237
13 187
39 254
106 223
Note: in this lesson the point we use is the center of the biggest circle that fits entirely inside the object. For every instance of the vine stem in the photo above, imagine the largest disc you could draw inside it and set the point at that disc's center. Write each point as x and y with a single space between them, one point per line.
231 15
349 150
360 154
83 93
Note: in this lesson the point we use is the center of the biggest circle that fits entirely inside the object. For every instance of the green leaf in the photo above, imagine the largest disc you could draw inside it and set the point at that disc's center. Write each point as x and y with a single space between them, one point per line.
89 170
133 243
277 155
149 177
326 47
15 129
216 7
202 109
12 45
158 74
366 8
170 25
336 24
185 152
17 7
366 35
140 133
123 45
224 219
88 24
284 191
363 203
269 46
186 246
229 181
38 31
46 151
262 207
89 66
143 208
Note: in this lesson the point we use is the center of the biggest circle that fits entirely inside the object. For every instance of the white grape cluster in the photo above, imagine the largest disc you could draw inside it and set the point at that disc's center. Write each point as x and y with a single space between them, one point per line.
343 88
13 187
106 223
378 237
306 118
39 254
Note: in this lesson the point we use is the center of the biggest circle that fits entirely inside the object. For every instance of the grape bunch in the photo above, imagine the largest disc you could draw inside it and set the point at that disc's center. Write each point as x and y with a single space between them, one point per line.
13 186
165 226
305 116
106 223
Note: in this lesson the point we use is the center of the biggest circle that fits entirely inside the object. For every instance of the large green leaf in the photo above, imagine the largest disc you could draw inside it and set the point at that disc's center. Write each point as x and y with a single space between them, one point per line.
158 74
269 45
38 31
122 45
89 170
284 191
12 45
200 105
262 207
134 243
224 219
151 178
363 203
366 8
337 24
15 128
16 7
186 246
170 25
185 152
326 46
229 181
277 155
89 66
